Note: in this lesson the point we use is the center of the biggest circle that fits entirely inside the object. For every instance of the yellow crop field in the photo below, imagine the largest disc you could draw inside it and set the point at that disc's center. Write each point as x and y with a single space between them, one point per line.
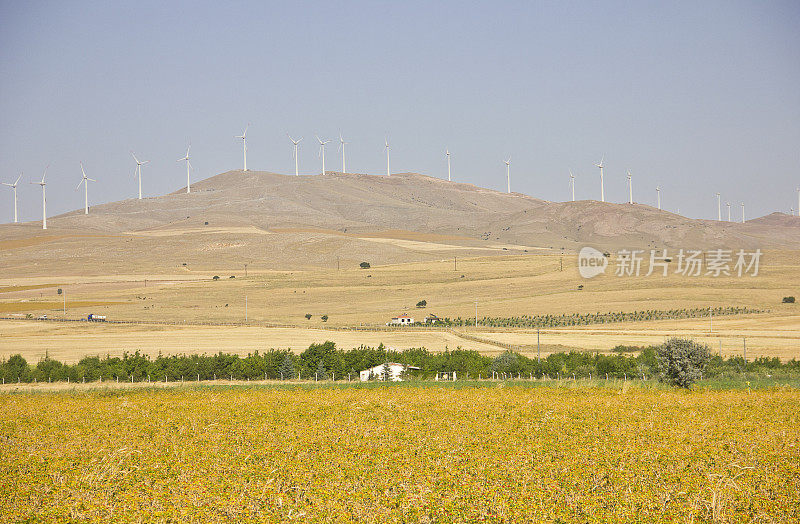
401 453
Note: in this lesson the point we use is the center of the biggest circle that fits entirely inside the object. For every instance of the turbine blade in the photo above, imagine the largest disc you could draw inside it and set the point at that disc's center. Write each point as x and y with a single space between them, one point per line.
134 157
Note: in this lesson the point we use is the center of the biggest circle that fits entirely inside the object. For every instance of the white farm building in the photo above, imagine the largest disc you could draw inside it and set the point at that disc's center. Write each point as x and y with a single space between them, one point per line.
401 320
376 372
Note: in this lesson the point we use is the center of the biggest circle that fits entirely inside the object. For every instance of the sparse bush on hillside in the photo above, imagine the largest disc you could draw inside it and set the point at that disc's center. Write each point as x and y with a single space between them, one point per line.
324 318
364 265
61 291
216 277
682 361
422 303
788 300
308 316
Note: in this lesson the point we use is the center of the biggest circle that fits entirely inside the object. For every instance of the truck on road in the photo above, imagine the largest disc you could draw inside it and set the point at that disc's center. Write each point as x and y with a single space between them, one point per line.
96 318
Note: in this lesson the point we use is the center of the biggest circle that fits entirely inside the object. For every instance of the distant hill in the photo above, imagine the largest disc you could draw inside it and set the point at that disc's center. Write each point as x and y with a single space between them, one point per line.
306 220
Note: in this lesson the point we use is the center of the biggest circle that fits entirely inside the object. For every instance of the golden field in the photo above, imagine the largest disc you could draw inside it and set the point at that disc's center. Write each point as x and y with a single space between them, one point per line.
503 286
501 454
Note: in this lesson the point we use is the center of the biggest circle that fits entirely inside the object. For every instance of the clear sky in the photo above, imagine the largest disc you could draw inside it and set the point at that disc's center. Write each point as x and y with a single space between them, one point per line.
697 97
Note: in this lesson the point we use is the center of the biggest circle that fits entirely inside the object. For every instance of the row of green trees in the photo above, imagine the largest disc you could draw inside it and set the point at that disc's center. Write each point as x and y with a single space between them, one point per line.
577 319
326 362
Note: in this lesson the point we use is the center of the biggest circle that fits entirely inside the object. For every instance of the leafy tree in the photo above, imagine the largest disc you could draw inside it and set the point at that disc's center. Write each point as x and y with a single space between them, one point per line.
788 300
422 303
308 316
386 372
216 277
364 265
324 318
321 372
682 361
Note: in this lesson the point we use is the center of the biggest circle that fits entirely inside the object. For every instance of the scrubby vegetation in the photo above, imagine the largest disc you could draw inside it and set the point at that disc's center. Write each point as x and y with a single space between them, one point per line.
337 364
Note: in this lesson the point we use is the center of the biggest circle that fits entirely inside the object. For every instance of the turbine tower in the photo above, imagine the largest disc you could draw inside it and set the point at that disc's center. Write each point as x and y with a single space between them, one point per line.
386 141
44 199
447 152
85 181
508 174
798 201
729 210
341 148
630 188
188 168
572 184
322 152
243 136
719 209
742 212
294 152
14 188
602 189
137 173
658 196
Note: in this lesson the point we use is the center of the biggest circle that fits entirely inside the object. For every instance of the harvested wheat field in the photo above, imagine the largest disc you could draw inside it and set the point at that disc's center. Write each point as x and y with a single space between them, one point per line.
401 454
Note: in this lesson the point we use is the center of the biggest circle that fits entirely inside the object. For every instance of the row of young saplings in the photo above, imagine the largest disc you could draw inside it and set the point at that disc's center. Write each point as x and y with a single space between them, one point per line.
578 319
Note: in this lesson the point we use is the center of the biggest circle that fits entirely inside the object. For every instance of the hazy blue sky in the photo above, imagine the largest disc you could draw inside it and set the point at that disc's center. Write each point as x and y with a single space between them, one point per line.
698 97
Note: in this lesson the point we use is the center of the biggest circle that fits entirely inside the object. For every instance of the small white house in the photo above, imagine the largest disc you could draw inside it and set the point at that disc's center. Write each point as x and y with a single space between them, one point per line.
401 320
376 372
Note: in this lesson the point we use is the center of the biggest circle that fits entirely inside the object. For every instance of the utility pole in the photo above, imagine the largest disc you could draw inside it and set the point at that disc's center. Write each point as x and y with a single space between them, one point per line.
337 263
245 270
538 348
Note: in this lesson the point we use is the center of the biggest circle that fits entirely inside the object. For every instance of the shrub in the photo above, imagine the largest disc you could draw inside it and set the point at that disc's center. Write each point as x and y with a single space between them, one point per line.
61 291
788 300
232 276
682 361
216 277
324 318
422 303
364 265
286 371
308 316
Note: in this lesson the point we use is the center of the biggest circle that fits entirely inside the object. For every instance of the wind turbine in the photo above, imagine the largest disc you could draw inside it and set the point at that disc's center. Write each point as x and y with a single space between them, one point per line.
630 188
188 168
447 152
658 196
602 190
798 201
85 181
322 152
44 199
341 148
729 210
742 212
137 173
14 188
572 184
243 136
508 174
294 152
386 141
719 209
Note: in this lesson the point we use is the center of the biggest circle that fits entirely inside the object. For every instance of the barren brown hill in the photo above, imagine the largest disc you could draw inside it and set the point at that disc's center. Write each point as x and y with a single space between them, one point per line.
280 221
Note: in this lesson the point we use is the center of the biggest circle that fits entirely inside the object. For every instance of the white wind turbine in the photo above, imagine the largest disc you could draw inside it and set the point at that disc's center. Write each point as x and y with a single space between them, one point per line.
602 189
294 152
137 173
14 188
658 196
447 152
630 188
572 184
719 209
342 143
798 201
188 168
508 174
44 199
322 152
243 136
85 181
386 141
729 210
